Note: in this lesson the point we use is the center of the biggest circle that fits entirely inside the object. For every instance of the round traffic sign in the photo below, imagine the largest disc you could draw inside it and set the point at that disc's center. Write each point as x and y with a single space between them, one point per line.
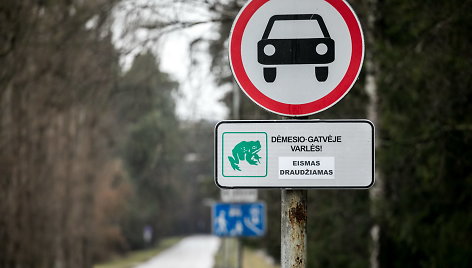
296 58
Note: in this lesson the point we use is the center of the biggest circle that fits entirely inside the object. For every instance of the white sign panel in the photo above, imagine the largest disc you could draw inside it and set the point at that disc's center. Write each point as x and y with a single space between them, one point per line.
238 195
294 154
316 45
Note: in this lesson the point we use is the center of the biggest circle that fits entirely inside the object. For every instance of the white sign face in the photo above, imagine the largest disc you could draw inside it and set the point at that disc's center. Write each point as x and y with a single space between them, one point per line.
296 57
294 154
238 195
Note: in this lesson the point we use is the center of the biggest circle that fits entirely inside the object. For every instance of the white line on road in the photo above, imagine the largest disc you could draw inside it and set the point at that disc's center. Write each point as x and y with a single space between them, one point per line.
195 251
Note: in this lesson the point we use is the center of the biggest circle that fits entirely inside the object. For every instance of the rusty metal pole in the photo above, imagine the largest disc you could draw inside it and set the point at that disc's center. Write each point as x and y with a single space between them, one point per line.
293 228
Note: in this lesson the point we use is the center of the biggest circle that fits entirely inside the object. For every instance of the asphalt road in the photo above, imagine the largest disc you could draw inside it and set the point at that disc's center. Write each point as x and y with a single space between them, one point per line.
195 251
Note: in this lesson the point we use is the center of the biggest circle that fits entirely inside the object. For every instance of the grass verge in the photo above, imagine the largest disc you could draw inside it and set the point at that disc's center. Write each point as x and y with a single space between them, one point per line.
136 257
257 259
227 256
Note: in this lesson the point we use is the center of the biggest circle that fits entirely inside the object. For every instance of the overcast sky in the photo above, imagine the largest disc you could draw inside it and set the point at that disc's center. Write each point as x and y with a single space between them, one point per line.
198 97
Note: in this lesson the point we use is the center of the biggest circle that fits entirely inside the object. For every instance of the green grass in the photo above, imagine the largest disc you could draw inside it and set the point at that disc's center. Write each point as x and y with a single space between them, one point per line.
136 257
226 257
256 259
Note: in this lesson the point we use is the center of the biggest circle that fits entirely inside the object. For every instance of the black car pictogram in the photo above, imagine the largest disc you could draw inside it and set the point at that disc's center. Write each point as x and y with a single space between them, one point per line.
284 51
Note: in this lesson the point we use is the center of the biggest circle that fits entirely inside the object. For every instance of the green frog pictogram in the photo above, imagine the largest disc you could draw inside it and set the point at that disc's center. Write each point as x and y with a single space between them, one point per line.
245 150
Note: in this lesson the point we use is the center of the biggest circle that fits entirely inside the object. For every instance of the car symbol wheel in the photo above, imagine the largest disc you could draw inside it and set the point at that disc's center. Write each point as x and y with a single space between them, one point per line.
269 74
321 73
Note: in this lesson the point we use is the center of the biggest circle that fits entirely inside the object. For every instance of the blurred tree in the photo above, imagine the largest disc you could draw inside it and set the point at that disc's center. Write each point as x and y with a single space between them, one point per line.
426 121
152 150
169 162
198 177
61 185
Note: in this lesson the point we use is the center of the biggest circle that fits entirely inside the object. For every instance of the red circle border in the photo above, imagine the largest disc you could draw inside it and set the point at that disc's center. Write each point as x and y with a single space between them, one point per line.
346 83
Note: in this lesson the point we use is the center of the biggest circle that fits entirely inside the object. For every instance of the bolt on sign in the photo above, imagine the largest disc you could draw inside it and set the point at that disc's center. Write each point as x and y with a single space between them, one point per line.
294 154
296 58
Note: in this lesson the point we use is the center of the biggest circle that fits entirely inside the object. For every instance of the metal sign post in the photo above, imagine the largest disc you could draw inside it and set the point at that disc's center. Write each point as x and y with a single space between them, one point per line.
293 223
293 228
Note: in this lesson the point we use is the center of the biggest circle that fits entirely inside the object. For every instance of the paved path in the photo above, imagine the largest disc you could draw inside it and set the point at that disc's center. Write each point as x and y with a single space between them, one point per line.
195 251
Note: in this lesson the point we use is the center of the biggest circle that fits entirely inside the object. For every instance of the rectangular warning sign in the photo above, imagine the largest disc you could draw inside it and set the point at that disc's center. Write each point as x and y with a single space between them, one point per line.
294 154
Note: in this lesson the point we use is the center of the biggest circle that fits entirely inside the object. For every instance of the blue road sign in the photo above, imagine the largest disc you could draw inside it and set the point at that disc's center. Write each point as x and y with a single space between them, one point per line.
238 219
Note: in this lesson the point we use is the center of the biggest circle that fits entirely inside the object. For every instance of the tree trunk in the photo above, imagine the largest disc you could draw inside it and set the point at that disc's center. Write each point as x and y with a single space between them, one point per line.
371 70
